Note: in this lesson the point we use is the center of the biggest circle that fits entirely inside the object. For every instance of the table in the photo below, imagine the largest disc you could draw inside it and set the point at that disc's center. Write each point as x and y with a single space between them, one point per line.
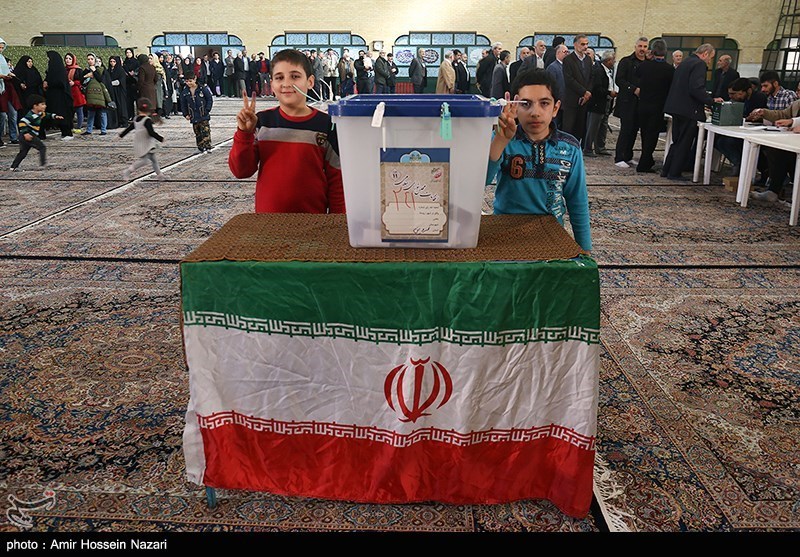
392 375
786 141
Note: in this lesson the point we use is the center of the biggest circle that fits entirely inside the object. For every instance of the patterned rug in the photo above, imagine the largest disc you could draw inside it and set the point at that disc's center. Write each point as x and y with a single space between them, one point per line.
94 395
147 219
712 356
698 417
697 421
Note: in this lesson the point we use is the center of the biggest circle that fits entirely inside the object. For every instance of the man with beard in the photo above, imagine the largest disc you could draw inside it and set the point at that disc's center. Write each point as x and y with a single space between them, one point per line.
485 70
627 106
577 91
462 73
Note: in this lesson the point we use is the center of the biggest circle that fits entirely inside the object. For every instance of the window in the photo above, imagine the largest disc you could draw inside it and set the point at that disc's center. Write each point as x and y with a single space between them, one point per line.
688 43
74 39
597 42
783 56
436 44
320 41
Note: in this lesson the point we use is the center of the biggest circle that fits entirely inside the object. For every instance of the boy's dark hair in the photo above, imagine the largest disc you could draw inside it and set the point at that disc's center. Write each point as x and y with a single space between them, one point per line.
294 57
535 76
770 76
35 99
659 48
504 54
741 84
189 75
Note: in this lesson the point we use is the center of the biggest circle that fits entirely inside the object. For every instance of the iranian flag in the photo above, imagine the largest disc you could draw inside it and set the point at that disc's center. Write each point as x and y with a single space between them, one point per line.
463 383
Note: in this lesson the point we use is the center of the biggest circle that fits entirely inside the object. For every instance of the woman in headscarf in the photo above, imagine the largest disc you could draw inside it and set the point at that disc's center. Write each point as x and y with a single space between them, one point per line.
28 81
131 67
58 94
199 70
74 76
169 82
147 78
155 61
97 97
114 80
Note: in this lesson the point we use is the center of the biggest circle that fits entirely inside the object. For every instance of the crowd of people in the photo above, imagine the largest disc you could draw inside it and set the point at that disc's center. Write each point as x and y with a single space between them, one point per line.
639 89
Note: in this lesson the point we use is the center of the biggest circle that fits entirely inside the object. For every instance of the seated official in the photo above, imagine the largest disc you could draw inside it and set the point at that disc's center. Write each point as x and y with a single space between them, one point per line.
741 90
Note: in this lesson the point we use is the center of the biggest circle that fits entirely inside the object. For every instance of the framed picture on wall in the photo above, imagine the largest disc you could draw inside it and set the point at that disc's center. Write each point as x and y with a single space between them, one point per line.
475 54
403 55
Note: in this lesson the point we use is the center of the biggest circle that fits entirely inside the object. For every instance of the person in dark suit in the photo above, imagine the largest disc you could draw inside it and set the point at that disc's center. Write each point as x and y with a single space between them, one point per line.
500 83
550 53
418 72
577 90
462 73
485 70
598 106
514 68
686 103
724 75
655 78
626 108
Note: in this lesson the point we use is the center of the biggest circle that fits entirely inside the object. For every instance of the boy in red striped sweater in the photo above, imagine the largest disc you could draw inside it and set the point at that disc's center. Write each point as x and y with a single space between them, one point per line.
293 147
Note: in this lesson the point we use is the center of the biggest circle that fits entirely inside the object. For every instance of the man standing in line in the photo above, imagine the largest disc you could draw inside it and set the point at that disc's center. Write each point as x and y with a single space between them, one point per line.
677 58
229 79
557 70
382 73
462 73
578 81
391 82
485 70
418 72
536 59
248 75
551 51
598 107
686 103
446 81
655 78
514 68
500 83
627 105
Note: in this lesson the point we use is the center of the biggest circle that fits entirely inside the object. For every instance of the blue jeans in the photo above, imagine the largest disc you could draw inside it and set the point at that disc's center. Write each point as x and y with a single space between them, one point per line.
9 119
79 112
90 119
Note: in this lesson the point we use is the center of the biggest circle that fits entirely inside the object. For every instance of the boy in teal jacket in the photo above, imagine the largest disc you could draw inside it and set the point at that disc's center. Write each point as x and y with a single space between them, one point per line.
540 168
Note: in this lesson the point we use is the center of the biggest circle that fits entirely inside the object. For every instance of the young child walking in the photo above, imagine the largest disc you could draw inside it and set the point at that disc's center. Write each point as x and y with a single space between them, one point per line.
29 127
144 139
196 103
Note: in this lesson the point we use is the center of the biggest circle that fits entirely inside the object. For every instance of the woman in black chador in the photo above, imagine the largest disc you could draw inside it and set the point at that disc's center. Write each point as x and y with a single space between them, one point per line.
116 83
58 93
131 67
28 81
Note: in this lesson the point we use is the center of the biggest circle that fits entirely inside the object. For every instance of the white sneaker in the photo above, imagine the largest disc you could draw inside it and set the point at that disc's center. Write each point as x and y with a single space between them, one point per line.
767 195
67 138
622 164
632 162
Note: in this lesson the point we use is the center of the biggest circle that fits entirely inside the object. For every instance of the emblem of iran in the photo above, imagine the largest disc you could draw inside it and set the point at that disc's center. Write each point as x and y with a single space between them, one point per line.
411 390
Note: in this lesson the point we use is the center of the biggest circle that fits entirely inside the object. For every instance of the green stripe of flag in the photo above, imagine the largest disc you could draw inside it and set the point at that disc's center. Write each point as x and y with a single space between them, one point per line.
479 296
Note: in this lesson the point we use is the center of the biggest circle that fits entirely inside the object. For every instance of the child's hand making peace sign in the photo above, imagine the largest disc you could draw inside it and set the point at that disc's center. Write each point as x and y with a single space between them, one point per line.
246 119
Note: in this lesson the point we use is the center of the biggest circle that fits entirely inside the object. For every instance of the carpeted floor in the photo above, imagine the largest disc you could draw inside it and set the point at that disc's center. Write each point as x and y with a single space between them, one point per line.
698 425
